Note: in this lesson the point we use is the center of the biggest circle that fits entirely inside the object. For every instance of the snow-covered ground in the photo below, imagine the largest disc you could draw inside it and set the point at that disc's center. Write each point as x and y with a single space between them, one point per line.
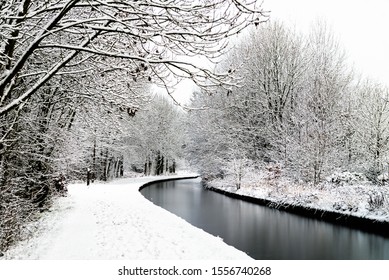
345 193
114 221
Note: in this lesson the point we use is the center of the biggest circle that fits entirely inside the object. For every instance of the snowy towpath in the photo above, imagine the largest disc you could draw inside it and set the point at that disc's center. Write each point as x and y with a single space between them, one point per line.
114 221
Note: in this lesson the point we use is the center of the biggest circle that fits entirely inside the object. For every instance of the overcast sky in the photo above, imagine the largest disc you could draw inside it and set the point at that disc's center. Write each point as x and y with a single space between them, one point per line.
362 27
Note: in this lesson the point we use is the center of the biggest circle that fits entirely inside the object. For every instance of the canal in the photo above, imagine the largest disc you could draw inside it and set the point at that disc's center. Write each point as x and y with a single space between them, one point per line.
262 232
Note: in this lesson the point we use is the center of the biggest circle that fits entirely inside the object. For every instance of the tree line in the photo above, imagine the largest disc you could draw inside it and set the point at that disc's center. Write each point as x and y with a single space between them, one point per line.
301 111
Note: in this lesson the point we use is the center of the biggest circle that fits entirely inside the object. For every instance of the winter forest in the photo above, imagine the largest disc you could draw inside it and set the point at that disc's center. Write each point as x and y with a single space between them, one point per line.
88 85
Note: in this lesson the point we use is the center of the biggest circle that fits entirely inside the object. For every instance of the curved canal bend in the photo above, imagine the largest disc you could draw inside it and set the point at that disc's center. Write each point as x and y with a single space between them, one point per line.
262 232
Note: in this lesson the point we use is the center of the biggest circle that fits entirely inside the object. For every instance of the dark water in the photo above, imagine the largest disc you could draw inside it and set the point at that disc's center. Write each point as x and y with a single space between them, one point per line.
261 232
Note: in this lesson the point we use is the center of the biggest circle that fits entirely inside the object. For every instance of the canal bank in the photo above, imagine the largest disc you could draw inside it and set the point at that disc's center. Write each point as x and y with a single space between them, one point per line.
339 218
167 179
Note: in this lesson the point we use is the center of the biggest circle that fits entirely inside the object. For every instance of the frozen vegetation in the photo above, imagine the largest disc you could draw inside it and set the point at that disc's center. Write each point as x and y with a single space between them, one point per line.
346 193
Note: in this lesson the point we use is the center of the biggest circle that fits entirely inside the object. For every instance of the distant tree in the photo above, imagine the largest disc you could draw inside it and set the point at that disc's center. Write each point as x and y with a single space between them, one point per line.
253 123
370 126
274 80
159 136
208 147
326 82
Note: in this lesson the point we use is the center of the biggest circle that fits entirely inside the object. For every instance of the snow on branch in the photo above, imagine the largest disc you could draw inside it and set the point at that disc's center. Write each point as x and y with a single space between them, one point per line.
51 35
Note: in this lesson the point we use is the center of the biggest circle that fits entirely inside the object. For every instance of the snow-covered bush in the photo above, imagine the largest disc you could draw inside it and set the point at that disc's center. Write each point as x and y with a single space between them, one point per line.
15 211
376 200
383 179
340 178
345 206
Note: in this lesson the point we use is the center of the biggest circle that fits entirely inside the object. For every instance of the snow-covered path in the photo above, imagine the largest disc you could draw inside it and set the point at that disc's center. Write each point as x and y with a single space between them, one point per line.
114 221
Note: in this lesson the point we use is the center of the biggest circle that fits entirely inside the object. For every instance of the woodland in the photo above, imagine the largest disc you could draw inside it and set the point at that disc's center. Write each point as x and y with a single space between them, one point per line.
80 83
76 90
301 108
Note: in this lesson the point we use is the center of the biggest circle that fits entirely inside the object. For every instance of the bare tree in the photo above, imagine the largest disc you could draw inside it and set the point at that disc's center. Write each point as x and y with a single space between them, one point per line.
370 126
274 80
327 80
256 119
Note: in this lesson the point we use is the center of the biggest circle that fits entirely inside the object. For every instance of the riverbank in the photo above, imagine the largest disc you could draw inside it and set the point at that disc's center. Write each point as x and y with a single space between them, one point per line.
358 205
114 221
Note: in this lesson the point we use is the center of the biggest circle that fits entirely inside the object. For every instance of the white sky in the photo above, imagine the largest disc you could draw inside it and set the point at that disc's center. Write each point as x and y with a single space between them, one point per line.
362 27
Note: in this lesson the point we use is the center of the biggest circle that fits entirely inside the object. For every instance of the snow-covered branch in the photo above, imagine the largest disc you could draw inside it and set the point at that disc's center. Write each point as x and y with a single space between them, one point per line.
144 28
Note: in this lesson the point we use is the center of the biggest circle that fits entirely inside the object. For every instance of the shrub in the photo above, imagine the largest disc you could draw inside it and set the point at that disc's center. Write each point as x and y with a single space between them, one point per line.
376 200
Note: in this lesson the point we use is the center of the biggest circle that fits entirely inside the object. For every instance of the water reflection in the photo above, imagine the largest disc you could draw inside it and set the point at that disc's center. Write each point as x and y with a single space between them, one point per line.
261 232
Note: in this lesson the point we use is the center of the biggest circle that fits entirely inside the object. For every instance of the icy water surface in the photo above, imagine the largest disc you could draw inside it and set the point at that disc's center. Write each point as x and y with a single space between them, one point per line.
261 232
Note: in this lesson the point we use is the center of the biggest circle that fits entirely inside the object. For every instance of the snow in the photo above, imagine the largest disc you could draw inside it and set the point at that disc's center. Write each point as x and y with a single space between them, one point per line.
349 194
114 221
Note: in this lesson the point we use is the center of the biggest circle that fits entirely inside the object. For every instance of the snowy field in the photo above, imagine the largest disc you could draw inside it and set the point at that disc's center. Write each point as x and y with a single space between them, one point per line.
110 221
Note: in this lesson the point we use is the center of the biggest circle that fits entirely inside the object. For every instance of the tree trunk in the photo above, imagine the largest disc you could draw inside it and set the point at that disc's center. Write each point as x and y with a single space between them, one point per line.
88 177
